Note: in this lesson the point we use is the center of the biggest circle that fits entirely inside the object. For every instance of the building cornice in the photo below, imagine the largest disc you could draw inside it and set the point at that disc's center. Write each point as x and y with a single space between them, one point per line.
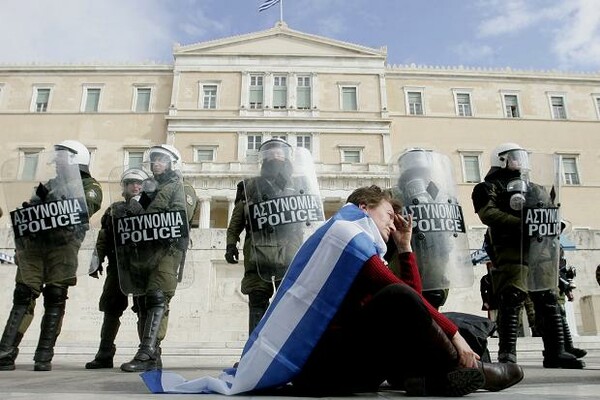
86 68
461 72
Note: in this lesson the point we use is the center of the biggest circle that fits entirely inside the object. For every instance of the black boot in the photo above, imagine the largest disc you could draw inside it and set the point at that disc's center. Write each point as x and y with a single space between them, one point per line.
508 328
9 345
106 352
147 356
54 309
554 352
569 348
258 302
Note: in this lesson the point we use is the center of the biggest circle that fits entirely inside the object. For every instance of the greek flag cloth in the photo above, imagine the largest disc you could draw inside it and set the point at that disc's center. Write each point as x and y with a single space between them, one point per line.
309 296
267 4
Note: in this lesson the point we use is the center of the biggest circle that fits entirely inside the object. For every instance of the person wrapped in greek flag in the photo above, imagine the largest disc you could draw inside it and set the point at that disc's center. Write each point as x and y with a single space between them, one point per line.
342 322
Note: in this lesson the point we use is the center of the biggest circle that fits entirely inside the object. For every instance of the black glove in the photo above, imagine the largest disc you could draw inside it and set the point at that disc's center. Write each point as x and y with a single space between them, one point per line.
96 274
232 254
145 200
41 191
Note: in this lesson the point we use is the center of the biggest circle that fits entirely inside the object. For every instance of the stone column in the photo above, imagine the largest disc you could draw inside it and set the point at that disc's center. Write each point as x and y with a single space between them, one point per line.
204 212
230 207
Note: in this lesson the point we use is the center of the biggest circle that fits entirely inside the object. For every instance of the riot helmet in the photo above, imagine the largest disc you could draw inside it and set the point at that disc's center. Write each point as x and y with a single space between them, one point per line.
78 153
131 182
275 157
162 158
510 156
414 167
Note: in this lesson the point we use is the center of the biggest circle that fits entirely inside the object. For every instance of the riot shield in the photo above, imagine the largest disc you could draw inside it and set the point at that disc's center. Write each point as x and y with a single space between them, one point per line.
150 229
49 215
283 207
425 184
538 192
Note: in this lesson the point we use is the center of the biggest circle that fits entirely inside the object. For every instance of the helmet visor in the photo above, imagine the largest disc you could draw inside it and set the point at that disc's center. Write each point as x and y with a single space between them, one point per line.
516 160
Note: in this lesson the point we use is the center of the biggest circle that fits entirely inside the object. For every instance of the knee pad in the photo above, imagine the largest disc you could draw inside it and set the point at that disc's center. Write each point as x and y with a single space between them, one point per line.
155 298
54 295
512 297
23 294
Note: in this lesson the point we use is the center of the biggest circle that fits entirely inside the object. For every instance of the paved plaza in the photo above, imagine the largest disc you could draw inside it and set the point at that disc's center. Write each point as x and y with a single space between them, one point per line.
70 381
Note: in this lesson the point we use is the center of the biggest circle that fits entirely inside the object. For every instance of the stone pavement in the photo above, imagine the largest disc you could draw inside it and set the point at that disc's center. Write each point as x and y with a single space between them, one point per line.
70 381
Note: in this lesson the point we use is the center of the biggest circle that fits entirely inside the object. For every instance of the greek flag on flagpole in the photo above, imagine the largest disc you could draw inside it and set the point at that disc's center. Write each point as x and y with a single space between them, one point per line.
308 298
267 4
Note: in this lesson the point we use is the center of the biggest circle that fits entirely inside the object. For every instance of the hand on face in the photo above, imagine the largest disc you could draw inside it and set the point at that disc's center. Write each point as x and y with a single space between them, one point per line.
402 235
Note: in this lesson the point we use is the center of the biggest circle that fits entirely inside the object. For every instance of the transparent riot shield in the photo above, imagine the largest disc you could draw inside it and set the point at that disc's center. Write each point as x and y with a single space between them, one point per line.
150 230
48 215
283 207
425 184
538 191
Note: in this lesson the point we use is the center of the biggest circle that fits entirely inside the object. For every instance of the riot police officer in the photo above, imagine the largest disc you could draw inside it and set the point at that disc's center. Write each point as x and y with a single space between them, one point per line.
272 236
113 301
427 190
47 261
525 261
149 265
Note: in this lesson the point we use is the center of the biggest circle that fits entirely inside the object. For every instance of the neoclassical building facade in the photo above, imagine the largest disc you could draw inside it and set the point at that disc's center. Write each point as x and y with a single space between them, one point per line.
221 99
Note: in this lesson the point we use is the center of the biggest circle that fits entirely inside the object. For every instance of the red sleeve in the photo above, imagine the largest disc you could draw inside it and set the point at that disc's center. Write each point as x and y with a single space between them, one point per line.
379 276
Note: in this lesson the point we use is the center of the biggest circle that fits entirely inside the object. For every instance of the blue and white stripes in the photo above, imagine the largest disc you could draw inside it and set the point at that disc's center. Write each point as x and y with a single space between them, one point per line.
267 4
309 296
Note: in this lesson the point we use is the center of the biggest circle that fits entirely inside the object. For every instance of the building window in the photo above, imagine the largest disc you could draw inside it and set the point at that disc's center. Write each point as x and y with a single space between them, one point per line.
134 158
559 111
304 141
597 104
303 93
349 98
463 104
254 142
256 91
471 168
279 136
511 106
570 171
42 98
209 96
351 154
414 102
91 99
279 91
205 154
142 99
30 164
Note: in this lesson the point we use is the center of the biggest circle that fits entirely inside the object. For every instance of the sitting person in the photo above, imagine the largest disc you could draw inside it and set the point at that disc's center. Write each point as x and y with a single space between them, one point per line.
343 323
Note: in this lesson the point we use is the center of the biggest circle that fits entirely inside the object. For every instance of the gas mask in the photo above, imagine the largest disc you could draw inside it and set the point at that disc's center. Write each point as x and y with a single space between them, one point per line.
517 188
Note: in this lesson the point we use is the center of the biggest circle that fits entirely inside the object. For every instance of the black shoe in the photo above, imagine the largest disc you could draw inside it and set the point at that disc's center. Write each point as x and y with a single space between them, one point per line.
563 360
578 353
99 363
140 363
455 383
507 358
7 364
42 366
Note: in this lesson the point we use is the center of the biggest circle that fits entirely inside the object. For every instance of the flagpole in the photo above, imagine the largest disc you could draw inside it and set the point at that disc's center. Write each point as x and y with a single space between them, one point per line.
280 10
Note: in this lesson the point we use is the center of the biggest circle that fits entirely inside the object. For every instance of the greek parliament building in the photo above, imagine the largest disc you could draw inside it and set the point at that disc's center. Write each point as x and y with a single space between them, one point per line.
221 99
